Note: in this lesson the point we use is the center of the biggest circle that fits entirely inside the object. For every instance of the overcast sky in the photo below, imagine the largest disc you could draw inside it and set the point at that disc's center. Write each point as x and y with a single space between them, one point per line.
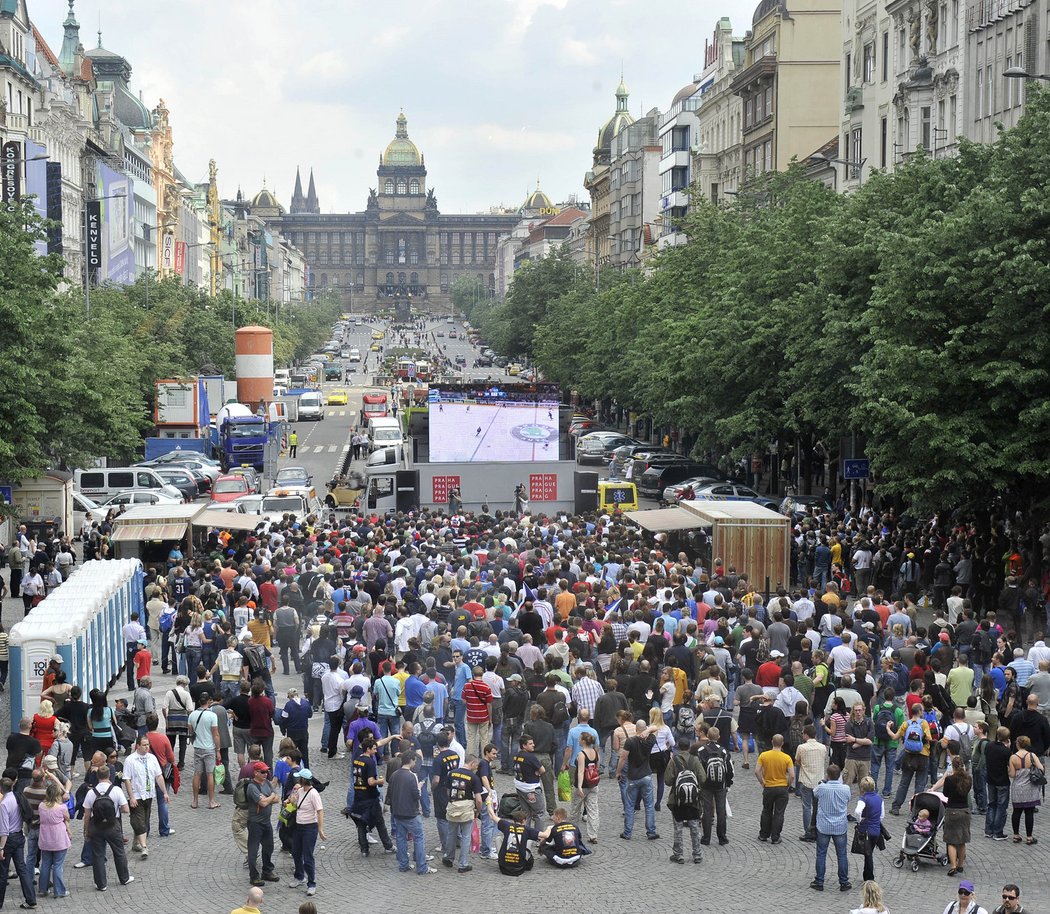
497 93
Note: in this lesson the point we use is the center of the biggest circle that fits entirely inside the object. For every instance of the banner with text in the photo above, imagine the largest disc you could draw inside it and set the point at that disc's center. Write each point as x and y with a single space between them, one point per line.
180 257
11 172
94 240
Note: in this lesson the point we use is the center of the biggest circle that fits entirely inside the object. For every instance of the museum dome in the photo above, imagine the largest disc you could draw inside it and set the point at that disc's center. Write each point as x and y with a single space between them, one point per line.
401 150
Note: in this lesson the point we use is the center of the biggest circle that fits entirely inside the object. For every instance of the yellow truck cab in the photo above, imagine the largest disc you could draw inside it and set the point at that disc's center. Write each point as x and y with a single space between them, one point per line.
617 496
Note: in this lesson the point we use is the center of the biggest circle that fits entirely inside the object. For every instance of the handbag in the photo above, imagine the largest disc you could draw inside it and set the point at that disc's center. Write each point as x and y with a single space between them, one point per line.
180 644
860 843
1037 776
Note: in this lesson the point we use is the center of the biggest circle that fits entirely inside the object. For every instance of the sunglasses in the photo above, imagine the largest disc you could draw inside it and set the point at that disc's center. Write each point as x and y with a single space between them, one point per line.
964 892
1010 897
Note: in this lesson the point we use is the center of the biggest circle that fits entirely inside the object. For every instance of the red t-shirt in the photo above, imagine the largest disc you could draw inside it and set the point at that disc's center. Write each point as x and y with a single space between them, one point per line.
768 674
478 696
268 596
260 716
143 662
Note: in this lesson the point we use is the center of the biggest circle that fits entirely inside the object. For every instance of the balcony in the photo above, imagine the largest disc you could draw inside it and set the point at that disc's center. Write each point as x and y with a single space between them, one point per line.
677 159
763 68
676 198
854 99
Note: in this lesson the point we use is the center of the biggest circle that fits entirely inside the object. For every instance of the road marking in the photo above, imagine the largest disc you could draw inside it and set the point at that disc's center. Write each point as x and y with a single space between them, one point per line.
346 447
333 448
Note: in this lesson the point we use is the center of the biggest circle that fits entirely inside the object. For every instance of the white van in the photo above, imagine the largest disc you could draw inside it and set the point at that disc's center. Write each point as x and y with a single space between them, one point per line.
355 355
383 431
101 483
311 405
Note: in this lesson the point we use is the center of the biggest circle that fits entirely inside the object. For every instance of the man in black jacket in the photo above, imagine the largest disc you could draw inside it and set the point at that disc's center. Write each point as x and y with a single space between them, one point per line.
1031 723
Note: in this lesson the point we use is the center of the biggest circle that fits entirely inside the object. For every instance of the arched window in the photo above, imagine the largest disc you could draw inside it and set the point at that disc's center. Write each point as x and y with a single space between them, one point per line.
388 187
324 280
413 254
414 279
414 186
390 279
444 282
401 278
402 187
360 279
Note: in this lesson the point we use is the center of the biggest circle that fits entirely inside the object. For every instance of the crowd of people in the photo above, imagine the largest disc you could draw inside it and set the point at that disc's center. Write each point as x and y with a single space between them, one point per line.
500 673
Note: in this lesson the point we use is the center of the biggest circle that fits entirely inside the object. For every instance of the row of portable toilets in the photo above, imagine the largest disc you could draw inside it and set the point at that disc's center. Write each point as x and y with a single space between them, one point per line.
81 621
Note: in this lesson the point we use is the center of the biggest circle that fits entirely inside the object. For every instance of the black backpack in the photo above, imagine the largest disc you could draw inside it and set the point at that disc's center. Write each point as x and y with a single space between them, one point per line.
103 810
428 730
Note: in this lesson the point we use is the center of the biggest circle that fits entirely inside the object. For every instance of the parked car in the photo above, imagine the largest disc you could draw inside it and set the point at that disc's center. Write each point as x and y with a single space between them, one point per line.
595 447
249 474
658 477
181 478
83 508
623 455
292 476
139 497
581 425
799 506
686 488
734 491
229 487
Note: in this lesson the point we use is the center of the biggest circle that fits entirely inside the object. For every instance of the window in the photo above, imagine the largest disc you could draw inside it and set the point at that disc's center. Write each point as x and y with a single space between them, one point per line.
768 155
402 186
389 279
869 62
942 26
767 104
388 186
979 95
925 127
413 187
953 33
989 91
749 110
145 481
885 56
849 69
883 141
414 279
856 152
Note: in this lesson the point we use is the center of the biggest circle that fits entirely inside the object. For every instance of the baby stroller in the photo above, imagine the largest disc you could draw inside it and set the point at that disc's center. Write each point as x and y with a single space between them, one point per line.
916 846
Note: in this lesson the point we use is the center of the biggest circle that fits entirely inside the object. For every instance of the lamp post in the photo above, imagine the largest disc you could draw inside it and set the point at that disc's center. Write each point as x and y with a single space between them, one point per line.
87 259
1021 73
831 160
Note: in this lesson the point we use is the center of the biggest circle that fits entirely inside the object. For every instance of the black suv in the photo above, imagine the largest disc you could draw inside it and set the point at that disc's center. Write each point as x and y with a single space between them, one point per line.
657 478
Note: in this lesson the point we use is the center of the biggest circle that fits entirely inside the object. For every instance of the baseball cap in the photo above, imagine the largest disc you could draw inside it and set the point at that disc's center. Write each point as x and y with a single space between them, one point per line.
260 766
57 658
966 886
514 677
776 653
719 639
304 774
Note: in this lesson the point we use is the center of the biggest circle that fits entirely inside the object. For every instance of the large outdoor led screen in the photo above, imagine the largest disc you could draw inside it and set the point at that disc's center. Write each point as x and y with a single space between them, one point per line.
473 423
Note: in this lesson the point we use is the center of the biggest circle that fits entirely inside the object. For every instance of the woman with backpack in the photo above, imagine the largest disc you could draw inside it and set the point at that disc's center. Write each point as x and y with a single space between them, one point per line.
660 754
100 720
1027 779
587 779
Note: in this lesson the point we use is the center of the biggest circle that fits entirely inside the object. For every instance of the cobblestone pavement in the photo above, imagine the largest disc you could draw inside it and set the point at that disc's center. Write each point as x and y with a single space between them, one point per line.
198 868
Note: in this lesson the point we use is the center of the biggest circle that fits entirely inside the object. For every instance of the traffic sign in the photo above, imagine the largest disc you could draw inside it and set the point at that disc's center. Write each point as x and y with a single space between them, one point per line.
856 469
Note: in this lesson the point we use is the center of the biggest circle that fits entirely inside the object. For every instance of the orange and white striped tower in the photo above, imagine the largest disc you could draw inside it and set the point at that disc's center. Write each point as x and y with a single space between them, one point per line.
253 362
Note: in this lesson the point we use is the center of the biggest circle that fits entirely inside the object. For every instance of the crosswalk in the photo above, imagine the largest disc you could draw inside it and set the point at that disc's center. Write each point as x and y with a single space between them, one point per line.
322 448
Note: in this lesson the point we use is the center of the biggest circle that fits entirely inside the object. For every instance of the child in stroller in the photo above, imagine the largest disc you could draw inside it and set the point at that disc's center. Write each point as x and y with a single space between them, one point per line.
919 842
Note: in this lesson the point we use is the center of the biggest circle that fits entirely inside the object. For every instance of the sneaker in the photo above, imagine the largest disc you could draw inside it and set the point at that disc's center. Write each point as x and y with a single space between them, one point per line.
465 869
79 865
723 841
652 837
296 883
312 890
676 858
370 838
258 883
818 886
429 871
128 881
447 862
698 860
774 840
846 887
998 837
145 853
271 877
491 855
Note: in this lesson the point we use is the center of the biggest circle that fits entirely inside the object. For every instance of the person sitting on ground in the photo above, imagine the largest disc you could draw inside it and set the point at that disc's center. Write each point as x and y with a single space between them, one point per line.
561 843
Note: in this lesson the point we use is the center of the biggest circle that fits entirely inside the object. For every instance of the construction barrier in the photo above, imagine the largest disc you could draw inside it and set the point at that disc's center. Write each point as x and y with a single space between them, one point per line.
81 621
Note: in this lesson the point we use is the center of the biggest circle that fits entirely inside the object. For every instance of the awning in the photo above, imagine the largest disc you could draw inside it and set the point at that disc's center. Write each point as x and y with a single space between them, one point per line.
135 533
226 520
662 520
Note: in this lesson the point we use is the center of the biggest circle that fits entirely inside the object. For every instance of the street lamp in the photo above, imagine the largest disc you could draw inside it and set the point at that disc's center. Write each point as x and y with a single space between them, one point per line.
819 157
1022 73
87 259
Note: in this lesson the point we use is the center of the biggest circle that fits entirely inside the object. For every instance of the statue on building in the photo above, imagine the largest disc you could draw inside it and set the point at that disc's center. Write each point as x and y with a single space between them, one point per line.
373 198
932 21
915 38
431 203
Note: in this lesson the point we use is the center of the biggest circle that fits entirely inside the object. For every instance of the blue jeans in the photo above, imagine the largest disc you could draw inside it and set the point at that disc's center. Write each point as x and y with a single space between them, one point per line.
424 790
905 783
192 656
389 724
459 709
640 787
304 839
806 793
840 852
998 804
14 853
488 834
460 831
879 753
32 850
980 789
162 816
51 863
402 829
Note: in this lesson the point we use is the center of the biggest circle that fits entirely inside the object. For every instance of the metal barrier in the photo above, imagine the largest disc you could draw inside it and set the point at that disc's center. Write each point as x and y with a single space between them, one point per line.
81 622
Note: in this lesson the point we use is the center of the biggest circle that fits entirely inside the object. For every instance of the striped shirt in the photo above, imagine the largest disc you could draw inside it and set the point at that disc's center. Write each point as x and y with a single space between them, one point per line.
478 696
832 807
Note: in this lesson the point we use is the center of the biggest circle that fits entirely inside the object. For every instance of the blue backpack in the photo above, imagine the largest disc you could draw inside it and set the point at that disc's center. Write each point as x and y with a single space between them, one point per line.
913 737
167 620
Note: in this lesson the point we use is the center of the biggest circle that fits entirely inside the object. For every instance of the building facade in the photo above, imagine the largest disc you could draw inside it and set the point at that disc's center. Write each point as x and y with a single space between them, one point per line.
929 104
718 155
679 128
634 191
401 246
789 82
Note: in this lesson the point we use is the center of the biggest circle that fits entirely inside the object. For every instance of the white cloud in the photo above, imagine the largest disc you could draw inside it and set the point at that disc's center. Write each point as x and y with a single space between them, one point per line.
496 93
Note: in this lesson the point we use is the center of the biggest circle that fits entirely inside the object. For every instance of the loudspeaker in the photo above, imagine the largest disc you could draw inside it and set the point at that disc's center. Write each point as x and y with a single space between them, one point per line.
585 491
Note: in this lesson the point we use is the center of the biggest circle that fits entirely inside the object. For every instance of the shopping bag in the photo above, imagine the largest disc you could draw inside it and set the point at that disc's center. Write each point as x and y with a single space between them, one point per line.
565 787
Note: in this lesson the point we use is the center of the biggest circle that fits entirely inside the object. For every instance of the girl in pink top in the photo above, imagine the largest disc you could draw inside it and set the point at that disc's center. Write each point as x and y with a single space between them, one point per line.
54 840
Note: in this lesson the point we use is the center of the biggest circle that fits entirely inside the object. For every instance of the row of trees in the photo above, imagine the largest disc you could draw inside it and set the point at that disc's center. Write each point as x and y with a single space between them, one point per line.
913 313
77 388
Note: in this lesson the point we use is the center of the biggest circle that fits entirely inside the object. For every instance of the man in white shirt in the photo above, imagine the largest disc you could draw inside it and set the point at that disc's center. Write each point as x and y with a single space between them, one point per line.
643 628
843 656
144 780
106 834
955 605
333 691
1038 652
